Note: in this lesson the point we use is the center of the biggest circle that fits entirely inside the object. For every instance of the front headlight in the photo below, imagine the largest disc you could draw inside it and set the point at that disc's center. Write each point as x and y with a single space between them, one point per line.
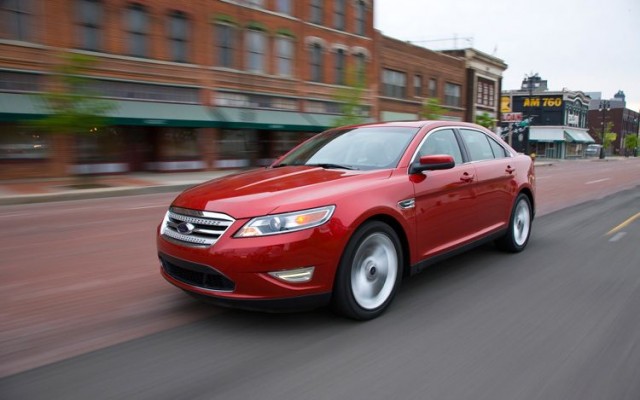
284 223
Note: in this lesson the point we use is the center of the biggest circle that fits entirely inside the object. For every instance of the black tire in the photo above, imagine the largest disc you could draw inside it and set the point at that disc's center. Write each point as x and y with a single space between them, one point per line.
519 230
369 273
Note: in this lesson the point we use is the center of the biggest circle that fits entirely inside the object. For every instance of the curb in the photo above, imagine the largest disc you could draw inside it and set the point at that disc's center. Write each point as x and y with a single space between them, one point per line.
92 194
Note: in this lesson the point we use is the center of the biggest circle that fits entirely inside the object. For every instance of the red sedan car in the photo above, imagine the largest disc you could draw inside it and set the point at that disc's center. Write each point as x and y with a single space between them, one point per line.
343 217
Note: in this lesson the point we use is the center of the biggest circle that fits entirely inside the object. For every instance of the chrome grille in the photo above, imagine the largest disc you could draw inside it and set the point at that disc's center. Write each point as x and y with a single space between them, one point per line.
196 228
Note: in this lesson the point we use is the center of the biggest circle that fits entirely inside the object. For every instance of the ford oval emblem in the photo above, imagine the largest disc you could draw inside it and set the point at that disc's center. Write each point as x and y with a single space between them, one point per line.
185 228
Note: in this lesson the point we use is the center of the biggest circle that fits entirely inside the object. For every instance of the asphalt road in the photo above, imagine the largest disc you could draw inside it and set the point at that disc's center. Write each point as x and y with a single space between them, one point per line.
559 321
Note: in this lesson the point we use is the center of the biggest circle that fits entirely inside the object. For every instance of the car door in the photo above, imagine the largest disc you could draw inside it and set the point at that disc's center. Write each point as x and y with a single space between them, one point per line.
495 185
444 199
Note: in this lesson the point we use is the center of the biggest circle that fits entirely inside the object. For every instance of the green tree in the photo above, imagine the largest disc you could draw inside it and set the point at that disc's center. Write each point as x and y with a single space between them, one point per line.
609 136
72 107
631 143
431 109
485 120
350 99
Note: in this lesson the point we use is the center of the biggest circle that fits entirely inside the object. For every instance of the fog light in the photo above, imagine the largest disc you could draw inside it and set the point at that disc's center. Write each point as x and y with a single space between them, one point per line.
294 275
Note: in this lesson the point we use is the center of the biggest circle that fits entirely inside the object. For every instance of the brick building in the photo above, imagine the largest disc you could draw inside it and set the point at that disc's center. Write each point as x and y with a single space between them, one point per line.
624 121
409 74
484 82
196 85
201 84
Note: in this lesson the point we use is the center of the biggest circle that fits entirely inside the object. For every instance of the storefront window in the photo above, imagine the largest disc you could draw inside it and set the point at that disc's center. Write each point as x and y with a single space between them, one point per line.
101 145
179 144
285 141
239 146
19 143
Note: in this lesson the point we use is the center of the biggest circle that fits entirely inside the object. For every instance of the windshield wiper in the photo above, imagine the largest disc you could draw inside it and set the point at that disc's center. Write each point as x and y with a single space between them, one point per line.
330 165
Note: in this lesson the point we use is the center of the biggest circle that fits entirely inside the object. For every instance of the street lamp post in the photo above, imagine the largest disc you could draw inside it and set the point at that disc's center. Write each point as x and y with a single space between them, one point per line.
603 107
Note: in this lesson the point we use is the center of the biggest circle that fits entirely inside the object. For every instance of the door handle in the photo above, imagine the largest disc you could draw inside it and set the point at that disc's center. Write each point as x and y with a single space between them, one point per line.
510 170
466 177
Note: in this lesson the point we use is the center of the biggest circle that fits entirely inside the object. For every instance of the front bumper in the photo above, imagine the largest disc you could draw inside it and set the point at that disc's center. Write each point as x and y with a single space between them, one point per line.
235 271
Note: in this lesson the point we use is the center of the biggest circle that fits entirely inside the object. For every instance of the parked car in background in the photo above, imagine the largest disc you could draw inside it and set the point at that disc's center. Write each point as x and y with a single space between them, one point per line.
593 150
343 217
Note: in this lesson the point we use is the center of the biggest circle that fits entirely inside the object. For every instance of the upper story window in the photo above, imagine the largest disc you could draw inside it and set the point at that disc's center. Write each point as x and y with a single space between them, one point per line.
15 19
145 91
178 36
317 12
361 67
284 56
486 95
340 62
452 93
433 88
361 8
338 14
317 64
138 30
256 44
90 14
283 6
394 84
225 45
14 81
417 85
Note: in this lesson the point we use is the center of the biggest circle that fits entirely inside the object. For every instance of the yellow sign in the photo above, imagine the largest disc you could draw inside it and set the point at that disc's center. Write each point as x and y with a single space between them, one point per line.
505 104
545 102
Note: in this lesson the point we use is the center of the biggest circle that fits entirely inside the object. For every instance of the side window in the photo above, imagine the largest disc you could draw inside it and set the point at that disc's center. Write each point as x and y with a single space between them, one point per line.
442 142
498 151
477 144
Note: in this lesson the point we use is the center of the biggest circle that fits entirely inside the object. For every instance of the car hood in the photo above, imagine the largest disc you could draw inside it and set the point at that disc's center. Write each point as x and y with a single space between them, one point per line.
265 191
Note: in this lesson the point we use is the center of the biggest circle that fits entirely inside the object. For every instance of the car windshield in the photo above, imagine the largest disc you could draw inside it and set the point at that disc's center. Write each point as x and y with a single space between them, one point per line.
363 148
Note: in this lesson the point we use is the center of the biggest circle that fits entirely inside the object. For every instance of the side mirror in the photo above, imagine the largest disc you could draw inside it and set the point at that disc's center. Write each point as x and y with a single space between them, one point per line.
432 163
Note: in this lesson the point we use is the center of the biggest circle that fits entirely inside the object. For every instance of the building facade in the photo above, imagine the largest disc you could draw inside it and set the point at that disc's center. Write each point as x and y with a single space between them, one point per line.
410 74
622 121
551 124
204 85
484 83
194 85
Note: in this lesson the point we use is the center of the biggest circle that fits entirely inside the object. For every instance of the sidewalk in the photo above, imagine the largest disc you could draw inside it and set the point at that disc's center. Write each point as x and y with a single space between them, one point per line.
27 191
59 189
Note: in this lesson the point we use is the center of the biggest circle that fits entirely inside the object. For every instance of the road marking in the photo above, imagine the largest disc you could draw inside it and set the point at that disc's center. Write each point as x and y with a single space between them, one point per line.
617 236
597 181
624 224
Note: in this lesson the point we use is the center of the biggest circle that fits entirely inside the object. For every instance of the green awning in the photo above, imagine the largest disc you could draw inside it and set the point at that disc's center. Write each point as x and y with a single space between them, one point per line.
248 118
322 121
19 107
548 135
147 113
577 136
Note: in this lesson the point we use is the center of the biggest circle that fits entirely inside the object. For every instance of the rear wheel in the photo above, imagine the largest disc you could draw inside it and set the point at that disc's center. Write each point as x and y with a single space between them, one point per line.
517 236
369 272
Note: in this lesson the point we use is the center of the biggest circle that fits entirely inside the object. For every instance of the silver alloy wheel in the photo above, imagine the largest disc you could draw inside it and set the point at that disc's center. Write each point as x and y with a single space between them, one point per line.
521 222
374 271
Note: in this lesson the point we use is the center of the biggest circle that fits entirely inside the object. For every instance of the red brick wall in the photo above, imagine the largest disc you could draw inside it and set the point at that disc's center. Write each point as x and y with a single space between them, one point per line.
415 60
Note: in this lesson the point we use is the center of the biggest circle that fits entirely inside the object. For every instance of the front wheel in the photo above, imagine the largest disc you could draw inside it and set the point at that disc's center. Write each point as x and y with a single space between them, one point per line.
517 236
369 272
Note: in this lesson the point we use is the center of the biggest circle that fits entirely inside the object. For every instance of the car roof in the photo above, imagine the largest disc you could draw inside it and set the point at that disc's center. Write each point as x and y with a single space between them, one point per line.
419 124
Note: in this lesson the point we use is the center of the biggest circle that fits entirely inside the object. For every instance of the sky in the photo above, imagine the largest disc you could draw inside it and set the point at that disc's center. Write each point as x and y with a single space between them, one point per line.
586 45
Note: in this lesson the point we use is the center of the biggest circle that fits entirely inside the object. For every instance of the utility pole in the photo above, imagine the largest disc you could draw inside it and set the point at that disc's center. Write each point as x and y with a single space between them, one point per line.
603 107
